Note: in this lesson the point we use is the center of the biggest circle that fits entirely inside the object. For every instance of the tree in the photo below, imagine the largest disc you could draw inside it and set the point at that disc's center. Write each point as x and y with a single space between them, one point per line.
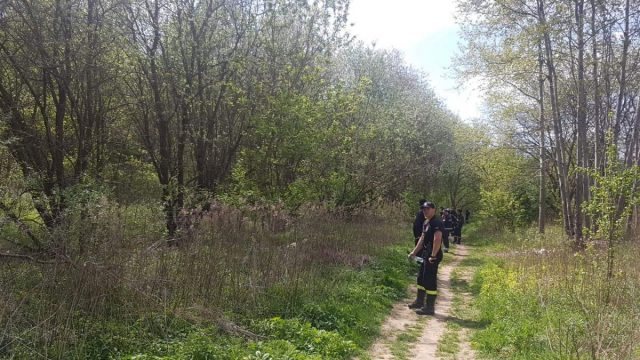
503 38
55 93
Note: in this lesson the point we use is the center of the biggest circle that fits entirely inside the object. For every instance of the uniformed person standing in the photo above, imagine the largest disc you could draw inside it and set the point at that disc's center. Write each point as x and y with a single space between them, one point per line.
418 222
429 248
457 236
447 221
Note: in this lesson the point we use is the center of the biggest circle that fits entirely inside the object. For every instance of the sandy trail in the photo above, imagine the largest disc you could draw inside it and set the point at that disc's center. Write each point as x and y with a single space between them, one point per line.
402 317
466 352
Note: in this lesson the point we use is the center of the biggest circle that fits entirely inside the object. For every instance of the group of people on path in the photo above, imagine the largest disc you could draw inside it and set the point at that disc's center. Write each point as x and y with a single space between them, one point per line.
431 231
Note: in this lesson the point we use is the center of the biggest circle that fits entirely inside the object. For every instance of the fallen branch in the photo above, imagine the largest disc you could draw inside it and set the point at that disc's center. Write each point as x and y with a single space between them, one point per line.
200 314
26 257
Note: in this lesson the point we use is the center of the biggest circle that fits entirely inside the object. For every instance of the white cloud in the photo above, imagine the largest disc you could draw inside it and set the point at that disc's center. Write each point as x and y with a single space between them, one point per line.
409 25
400 23
466 102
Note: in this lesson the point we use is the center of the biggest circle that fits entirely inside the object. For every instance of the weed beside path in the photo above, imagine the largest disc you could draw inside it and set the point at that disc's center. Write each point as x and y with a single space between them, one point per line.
318 290
539 298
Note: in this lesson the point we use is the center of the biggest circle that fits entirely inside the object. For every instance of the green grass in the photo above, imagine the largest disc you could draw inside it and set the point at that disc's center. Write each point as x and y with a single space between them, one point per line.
553 305
319 289
509 317
337 321
462 315
358 301
449 344
403 343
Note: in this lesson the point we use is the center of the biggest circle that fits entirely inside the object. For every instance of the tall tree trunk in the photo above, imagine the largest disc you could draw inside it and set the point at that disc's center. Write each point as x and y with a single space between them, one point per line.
582 185
541 192
599 138
162 121
557 121
87 118
631 158
623 75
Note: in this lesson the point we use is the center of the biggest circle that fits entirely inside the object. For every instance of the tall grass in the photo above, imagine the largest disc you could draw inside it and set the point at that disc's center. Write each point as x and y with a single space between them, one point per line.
121 283
542 299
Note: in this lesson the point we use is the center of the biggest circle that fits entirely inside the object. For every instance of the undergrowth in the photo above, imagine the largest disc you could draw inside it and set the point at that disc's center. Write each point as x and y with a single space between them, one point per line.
237 289
541 299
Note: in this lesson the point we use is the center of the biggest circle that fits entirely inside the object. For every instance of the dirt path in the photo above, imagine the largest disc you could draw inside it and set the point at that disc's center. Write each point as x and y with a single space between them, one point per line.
402 319
466 352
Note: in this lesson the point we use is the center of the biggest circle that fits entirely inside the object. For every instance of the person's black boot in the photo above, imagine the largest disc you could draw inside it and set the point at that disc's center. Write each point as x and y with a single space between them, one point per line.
419 300
429 306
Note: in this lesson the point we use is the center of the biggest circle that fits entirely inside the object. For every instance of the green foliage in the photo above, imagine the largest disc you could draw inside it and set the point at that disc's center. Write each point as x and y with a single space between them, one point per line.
539 300
354 302
108 340
508 194
132 180
207 344
510 208
279 350
335 323
345 141
612 201
354 308
512 312
337 319
613 196
326 344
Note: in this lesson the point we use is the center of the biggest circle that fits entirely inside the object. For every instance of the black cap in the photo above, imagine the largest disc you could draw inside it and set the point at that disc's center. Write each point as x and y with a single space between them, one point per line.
427 205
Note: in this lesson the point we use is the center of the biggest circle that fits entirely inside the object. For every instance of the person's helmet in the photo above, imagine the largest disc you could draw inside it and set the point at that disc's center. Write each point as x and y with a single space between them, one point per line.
427 205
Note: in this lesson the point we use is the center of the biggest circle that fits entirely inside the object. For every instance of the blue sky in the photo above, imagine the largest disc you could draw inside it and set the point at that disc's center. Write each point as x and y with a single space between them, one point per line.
426 32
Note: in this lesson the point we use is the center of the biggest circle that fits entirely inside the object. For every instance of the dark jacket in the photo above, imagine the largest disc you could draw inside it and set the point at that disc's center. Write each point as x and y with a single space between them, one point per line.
454 219
417 224
447 220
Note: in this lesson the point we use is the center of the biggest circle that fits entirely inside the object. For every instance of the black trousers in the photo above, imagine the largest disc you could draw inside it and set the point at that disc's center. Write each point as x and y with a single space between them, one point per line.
445 238
457 231
428 277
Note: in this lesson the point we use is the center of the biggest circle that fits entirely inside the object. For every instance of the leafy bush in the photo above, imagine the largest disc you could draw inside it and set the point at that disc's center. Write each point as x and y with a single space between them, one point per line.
327 344
278 350
108 340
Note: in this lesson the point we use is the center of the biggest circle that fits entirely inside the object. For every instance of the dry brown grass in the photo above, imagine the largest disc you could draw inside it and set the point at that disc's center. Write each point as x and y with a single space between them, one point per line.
227 261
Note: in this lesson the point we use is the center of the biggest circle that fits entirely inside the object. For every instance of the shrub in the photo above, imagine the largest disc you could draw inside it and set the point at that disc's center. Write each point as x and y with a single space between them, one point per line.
327 344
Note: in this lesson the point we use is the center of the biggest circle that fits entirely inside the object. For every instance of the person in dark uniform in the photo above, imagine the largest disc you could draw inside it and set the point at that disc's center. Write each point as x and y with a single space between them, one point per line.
447 221
457 236
454 225
418 222
429 248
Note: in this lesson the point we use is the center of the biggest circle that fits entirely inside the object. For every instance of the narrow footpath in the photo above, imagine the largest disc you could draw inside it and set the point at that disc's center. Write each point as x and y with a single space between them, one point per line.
406 335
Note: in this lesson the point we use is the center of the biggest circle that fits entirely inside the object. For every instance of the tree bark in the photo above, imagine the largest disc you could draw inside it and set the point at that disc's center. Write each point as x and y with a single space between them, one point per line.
541 188
623 75
582 185
557 121
598 150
